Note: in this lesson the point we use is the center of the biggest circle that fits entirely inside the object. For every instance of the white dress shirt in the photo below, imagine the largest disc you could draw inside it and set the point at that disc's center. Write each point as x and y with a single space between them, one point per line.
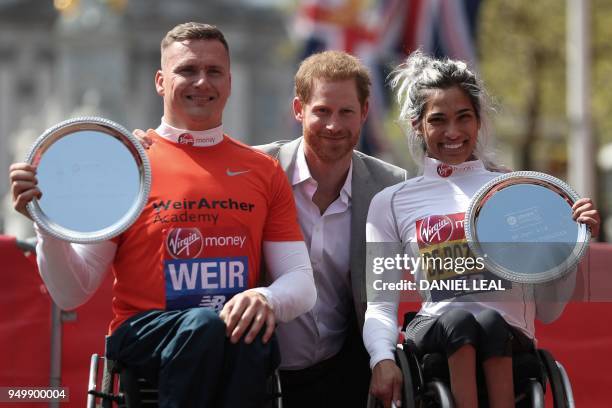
319 334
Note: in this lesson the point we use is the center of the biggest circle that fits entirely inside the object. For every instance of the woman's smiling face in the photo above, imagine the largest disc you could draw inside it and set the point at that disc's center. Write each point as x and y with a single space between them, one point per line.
449 125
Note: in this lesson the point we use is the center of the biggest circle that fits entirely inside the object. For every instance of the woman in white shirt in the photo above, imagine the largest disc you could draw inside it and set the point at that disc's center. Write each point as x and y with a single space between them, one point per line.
443 108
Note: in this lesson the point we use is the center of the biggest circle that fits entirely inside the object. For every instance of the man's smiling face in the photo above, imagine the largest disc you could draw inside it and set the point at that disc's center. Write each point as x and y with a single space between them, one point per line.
331 119
195 83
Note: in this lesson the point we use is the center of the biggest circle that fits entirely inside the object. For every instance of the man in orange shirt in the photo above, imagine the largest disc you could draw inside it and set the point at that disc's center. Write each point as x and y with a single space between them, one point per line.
196 248
323 356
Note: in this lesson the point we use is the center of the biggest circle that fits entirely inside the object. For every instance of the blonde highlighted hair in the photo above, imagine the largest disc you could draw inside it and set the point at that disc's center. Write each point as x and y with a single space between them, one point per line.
412 82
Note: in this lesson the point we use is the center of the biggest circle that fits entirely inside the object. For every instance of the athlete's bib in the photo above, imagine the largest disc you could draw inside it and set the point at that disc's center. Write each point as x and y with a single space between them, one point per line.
205 267
449 266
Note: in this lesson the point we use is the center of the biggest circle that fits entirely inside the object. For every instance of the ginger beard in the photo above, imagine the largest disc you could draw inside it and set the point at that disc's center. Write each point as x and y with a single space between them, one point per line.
331 119
331 148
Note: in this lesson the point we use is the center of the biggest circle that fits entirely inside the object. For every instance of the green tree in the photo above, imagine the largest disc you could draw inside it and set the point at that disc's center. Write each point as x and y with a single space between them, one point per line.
522 47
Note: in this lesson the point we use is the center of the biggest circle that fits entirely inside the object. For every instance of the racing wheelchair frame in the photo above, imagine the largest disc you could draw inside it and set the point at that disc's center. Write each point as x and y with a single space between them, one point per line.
121 387
426 379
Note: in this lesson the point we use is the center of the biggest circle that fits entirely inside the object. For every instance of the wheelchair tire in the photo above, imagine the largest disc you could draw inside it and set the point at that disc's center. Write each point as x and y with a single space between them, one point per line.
440 393
554 379
408 387
536 394
108 382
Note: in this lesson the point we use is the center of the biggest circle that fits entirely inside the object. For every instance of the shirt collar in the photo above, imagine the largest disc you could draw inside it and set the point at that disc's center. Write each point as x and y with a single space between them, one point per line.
200 138
433 168
302 174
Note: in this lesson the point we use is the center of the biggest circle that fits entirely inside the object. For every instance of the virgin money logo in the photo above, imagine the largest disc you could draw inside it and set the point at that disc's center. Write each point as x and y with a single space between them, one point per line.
184 243
436 229
186 138
444 170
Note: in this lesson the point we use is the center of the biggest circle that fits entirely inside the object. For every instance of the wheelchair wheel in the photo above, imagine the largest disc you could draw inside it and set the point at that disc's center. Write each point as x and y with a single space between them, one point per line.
437 394
555 379
105 393
567 386
532 397
408 387
274 394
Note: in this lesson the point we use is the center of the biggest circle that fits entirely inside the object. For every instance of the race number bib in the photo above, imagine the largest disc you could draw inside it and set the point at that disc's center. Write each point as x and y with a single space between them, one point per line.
205 268
449 267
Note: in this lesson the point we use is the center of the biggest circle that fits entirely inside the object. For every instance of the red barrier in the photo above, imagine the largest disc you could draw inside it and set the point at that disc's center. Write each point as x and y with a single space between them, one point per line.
25 327
581 339
25 314
83 337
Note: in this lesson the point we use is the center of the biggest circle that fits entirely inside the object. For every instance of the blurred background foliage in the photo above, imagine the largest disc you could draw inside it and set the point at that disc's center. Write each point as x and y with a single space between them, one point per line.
48 48
522 51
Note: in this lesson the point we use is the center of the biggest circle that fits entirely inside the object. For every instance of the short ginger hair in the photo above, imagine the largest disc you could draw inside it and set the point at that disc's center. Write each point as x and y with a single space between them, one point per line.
331 66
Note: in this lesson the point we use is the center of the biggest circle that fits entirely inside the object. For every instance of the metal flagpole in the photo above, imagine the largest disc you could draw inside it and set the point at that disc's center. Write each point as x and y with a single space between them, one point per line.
581 158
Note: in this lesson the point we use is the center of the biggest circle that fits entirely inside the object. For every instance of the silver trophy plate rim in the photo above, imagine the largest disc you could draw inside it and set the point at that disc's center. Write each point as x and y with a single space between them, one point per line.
112 129
524 177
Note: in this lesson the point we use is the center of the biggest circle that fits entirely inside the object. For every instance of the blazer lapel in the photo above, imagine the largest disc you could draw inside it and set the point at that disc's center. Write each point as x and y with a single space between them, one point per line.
363 189
287 155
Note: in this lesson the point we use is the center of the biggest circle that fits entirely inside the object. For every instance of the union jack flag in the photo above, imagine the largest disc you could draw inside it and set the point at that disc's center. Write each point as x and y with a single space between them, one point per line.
381 33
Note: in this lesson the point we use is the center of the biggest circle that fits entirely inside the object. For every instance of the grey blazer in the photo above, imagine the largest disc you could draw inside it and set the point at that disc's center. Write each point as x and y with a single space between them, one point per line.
370 175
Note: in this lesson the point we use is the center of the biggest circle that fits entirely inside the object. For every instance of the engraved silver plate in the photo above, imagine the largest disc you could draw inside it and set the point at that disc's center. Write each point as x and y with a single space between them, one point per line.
521 224
94 177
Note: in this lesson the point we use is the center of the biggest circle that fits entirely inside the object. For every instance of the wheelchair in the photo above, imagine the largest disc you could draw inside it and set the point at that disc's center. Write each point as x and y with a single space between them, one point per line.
427 379
122 387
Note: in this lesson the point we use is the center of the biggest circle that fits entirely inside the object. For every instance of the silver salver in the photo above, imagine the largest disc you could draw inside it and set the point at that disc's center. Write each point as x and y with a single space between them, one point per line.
94 176
521 224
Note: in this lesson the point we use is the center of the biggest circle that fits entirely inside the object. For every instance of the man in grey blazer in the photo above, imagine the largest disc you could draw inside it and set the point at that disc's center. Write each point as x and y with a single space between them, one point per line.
322 352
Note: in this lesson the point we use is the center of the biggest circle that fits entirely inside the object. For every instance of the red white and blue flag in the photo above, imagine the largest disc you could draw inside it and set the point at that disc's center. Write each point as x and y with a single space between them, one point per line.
381 33
444 28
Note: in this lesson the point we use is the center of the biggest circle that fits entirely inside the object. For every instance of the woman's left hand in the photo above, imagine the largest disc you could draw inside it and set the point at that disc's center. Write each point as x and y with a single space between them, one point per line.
584 211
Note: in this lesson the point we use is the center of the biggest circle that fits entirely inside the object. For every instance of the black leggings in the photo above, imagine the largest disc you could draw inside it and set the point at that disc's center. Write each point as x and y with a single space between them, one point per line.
487 331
